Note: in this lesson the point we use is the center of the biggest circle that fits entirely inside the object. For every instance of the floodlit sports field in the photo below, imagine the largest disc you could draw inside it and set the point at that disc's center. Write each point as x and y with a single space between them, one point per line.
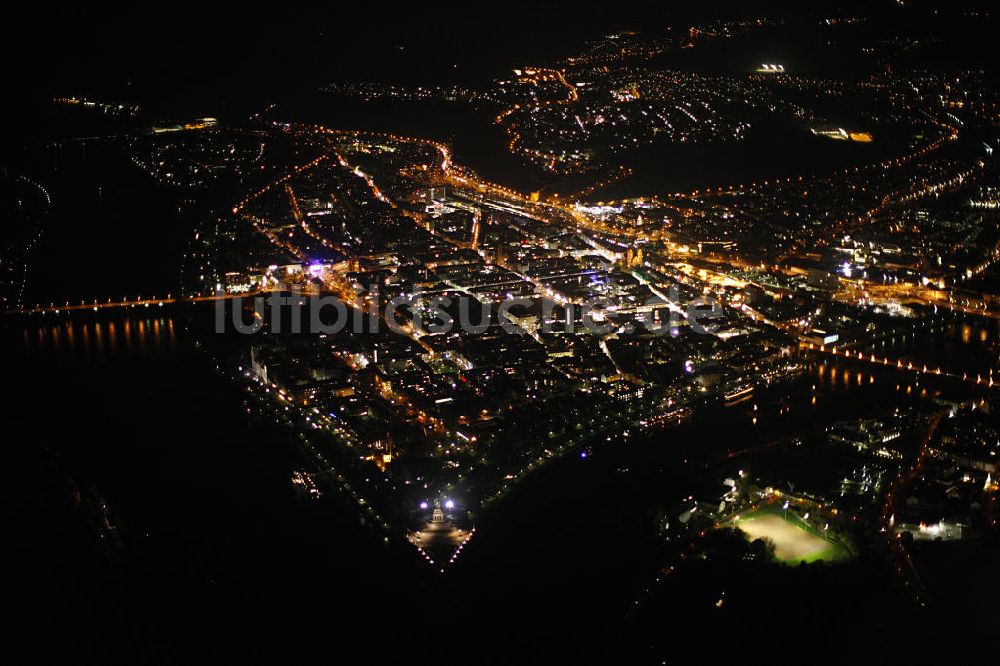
794 541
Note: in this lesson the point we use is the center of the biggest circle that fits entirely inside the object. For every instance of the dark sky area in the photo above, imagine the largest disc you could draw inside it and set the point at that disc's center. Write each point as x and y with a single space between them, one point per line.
185 45
170 56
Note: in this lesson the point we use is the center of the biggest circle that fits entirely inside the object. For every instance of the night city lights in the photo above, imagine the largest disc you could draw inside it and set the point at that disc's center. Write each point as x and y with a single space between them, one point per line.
630 333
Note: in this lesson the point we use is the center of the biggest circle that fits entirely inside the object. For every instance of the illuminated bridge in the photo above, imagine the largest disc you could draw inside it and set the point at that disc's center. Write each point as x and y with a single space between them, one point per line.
138 302
981 379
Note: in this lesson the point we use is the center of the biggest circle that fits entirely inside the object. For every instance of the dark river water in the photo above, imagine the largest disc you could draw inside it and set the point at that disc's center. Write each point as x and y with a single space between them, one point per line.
211 528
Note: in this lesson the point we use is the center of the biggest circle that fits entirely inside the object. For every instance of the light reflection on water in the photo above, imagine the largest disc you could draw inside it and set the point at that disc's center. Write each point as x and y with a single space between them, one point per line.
835 387
99 340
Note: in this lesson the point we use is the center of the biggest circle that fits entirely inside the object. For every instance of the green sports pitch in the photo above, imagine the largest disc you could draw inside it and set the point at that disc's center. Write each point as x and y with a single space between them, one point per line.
794 540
